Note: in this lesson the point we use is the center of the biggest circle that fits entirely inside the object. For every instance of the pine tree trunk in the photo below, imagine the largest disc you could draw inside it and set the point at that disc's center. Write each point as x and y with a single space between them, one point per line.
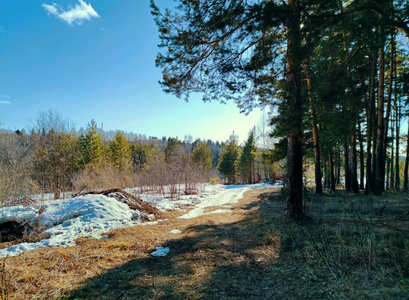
338 178
370 112
326 175
405 175
331 171
354 165
317 152
388 107
392 170
293 95
374 136
380 156
388 167
346 166
397 125
361 157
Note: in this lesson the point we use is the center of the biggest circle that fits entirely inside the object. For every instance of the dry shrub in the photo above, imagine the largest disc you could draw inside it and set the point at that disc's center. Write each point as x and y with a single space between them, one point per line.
5 285
99 179
15 163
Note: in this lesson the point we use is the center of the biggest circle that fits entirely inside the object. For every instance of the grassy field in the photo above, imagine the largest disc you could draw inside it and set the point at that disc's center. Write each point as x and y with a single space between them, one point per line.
353 247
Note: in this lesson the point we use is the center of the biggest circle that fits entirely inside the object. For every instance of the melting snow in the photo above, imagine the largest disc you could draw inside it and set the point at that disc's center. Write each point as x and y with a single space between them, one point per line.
160 251
89 216
66 220
222 196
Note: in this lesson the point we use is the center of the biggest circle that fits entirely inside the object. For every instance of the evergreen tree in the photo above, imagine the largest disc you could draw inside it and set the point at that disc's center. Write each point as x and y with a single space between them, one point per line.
246 164
233 50
140 155
227 160
92 147
170 150
120 152
201 157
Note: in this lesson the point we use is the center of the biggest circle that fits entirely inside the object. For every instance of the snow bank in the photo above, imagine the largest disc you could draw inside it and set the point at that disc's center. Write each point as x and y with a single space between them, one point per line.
66 220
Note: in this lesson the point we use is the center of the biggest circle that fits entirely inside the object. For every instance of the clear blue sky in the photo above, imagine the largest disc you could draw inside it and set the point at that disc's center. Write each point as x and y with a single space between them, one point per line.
96 60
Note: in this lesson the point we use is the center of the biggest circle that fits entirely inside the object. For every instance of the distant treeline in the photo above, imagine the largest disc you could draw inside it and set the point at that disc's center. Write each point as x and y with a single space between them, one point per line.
51 157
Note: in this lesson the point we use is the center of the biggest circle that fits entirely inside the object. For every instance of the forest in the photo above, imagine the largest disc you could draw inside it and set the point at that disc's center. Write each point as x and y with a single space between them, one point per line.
336 70
51 157
335 76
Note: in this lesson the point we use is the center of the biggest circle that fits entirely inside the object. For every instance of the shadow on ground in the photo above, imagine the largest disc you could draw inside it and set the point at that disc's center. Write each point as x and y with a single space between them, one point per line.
341 252
215 261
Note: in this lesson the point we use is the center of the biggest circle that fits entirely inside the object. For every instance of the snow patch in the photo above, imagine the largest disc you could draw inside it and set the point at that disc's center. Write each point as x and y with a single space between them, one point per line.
89 216
221 196
160 251
175 231
64 221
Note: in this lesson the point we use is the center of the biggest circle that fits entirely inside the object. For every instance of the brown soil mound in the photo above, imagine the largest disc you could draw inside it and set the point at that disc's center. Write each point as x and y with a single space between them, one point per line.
132 201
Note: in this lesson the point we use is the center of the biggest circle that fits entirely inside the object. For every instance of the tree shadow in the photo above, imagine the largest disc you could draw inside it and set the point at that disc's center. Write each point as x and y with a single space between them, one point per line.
266 255
214 261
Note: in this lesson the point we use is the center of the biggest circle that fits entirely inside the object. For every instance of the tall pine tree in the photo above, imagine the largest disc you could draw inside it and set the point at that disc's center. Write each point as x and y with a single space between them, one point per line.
246 164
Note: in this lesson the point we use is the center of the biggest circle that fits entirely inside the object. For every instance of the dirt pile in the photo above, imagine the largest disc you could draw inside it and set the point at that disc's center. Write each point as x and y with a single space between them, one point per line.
147 211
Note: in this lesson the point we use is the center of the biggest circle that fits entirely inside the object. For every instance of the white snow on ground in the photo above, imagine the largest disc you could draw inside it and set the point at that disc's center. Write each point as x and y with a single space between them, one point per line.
165 203
89 216
175 231
160 251
227 195
66 220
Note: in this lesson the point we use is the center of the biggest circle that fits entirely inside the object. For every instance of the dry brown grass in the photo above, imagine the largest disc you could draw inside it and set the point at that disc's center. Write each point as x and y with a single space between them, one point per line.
253 253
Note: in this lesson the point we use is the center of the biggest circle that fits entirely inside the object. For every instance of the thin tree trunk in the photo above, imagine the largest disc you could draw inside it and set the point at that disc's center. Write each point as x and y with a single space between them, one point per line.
346 166
388 167
392 170
370 111
331 171
326 175
338 178
388 106
361 157
354 165
397 125
294 101
317 152
397 128
380 156
405 175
